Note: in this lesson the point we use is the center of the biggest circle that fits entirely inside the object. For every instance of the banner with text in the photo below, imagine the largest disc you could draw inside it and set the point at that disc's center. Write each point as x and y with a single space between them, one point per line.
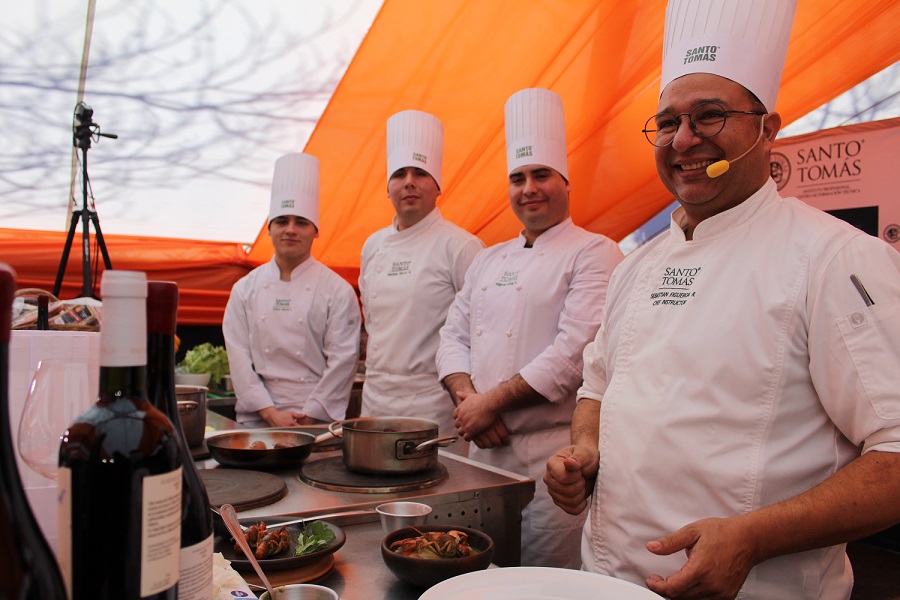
851 172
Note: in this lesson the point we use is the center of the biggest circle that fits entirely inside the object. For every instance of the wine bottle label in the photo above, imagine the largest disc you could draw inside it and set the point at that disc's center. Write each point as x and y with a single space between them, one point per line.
160 531
195 582
64 525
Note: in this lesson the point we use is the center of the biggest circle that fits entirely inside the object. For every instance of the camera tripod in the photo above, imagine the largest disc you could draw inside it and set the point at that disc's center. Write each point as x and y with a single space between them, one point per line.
82 131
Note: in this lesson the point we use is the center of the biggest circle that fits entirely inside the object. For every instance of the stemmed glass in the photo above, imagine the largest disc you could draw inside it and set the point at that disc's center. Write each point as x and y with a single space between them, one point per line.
59 392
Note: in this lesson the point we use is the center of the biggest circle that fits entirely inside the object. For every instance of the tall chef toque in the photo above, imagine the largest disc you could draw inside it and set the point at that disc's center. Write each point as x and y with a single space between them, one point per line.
415 139
743 40
295 187
536 131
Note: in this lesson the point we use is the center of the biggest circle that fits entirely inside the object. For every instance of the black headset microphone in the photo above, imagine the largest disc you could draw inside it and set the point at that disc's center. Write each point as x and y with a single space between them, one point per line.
720 167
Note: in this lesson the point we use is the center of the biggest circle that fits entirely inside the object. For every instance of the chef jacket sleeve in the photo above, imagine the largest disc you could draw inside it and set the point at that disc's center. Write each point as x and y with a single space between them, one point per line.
328 400
855 349
370 247
461 258
453 352
557 372
249 390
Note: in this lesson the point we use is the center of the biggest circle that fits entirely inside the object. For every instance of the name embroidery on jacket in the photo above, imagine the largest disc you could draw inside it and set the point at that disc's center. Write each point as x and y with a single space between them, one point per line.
282 304
400 267
508 278
675 286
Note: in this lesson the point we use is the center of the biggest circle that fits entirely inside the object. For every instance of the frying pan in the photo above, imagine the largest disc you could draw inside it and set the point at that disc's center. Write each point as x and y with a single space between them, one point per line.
232 449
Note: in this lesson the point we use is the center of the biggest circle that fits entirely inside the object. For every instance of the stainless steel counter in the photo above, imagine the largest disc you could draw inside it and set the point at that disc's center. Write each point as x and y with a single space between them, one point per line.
473 495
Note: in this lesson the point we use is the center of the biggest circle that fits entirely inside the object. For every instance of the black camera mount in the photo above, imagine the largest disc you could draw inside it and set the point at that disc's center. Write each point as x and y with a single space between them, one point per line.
83 131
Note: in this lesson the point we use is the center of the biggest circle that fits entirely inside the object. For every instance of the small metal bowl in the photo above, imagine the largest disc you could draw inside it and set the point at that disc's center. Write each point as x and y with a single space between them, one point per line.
301 591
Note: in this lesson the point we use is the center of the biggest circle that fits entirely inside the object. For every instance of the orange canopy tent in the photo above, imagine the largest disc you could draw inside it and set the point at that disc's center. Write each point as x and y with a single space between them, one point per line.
461 60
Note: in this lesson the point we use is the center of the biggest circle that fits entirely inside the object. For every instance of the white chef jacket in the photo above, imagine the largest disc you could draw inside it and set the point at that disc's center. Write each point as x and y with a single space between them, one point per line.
407 281
292 344
531 311
737 370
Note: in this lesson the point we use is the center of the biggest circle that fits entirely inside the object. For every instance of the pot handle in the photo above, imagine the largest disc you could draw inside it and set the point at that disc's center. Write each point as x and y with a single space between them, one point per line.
331 429
187 406
443 442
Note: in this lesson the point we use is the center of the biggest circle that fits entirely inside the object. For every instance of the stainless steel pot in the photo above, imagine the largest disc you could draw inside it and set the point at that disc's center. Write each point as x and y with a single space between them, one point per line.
192 412
389 445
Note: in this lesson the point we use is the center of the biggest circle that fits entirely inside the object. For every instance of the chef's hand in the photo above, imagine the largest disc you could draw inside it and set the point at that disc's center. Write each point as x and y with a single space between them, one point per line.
494 436
719 560
276 418
570 477
473 415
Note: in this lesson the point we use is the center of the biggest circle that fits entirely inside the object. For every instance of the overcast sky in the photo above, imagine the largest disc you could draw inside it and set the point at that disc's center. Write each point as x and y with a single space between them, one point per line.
203 94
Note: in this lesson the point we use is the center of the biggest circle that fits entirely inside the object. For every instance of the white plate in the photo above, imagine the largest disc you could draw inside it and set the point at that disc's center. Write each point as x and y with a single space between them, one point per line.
536 583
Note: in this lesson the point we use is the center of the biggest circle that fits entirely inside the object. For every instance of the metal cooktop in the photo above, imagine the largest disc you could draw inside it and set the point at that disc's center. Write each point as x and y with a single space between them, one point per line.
331 474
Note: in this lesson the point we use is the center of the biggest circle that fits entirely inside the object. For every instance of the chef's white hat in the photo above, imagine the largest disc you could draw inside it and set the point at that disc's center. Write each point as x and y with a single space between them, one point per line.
415 139
295 187
536 131
743 40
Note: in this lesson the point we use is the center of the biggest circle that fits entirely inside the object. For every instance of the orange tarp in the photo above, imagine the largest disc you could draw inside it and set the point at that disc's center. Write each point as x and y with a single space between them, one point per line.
205 271
461 60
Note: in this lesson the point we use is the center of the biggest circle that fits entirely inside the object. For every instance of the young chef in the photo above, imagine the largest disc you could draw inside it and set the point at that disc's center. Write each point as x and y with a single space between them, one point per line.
292 325
409 275
511 348
740 415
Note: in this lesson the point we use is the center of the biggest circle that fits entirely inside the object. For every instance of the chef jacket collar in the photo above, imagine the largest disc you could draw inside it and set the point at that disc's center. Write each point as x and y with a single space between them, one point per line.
724 221
547 236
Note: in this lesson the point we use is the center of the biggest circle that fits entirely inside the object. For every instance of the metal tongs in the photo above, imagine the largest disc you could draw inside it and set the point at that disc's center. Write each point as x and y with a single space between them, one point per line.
346 513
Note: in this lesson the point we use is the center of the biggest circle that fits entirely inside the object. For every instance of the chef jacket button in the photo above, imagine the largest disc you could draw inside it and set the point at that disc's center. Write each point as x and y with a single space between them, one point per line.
375 321
262 318
374 294
503 255
308 288
508 333
265 286
540 253
518 288
266 350
297 353
300 320
857 319
484 288
379 270
478 332
374 346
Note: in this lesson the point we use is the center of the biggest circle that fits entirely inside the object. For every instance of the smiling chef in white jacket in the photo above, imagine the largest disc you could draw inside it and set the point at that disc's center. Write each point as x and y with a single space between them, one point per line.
409 274
740 415
511 347
292 325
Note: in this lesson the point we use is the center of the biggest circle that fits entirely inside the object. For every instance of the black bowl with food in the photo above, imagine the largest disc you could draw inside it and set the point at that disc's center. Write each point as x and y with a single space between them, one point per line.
426 555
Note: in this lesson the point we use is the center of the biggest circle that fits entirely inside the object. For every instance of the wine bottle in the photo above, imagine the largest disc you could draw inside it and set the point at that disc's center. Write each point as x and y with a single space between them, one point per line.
43 316
119 479
28 568
196 569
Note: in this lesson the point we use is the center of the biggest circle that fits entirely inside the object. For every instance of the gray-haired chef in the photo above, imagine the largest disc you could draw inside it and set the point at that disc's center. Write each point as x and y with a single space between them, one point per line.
740 414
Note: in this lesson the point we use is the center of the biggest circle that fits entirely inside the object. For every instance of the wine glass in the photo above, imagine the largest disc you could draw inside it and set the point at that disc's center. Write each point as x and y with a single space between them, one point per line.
59 392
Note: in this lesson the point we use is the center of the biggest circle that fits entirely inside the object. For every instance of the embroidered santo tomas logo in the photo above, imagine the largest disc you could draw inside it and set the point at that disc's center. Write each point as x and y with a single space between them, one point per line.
524 151
701 53
287 203
418 156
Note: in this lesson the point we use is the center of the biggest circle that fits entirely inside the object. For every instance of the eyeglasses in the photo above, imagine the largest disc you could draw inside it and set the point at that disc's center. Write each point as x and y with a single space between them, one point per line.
706 120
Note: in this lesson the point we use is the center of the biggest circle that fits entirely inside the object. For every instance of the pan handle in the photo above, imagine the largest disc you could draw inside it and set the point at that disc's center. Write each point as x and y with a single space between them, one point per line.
334 430
443 442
